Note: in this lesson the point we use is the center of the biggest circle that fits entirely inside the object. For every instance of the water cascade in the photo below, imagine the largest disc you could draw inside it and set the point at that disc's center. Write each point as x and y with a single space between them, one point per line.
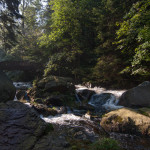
105 101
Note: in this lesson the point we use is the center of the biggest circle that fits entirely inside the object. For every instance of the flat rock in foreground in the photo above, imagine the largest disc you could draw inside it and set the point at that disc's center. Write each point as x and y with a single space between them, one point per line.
20 127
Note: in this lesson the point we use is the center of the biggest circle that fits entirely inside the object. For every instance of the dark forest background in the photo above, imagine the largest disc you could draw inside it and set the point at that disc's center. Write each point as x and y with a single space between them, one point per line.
103 42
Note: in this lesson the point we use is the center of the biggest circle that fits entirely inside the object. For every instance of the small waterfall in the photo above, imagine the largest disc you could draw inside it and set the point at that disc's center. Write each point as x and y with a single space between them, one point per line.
22 85
68 110
111 103
106 101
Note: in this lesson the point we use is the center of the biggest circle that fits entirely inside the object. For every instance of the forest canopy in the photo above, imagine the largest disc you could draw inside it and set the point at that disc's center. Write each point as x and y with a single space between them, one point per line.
100 41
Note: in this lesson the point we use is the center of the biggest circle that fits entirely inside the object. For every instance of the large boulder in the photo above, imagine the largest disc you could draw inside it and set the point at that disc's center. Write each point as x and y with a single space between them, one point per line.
127 120
56 84
7 89
51 86
20 127
136 97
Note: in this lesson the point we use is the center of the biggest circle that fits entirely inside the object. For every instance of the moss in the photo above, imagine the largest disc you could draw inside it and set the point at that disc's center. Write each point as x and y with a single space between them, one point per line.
118 119
104 115
77 144
106 144
143 112
52 111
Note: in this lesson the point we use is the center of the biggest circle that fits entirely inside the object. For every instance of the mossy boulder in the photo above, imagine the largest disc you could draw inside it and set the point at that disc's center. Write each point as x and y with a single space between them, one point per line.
7 89
55 83
126 120
50 86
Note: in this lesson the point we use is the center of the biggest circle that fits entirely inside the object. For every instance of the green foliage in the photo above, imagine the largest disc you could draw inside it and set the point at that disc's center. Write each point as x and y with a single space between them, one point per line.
77 38
107 69
72 36
60 64
106 144
134 38
143 112
9 14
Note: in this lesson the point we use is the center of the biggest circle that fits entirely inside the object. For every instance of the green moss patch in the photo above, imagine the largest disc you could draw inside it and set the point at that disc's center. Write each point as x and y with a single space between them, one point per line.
106 144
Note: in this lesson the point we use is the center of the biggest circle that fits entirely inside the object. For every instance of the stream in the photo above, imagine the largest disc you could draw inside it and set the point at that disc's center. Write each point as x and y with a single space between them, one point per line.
82 127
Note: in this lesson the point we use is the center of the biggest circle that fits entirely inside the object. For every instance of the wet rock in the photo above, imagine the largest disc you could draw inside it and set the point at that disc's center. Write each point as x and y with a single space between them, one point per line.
55 100
7 89
61 110
52 141
22 95
86 107
128 121
85 94
100 99
44 110
136 97
20 127
103 102
38 100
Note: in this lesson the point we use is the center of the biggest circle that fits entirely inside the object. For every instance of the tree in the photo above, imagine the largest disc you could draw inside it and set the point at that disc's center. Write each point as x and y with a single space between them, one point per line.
8 14
134 39
71 32
27 47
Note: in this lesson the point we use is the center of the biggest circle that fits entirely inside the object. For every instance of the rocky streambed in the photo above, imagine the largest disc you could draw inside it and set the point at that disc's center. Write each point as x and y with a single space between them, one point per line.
77 125
52 116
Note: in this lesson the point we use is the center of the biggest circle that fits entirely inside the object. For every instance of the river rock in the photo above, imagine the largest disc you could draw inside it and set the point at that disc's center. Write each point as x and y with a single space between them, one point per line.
103 102
44 110
55 100
53 89
136 97
21 94
85 94
56 84
20 127
126 120
7 89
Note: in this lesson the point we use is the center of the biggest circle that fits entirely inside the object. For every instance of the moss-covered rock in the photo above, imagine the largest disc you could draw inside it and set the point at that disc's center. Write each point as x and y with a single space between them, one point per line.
52 90
125 120
55 83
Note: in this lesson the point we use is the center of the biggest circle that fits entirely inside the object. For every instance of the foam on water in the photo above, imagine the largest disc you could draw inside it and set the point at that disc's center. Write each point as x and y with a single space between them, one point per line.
63 119
111 104
22 85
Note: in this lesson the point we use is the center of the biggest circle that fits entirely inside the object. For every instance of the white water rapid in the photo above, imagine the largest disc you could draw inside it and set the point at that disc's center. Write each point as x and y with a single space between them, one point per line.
108 99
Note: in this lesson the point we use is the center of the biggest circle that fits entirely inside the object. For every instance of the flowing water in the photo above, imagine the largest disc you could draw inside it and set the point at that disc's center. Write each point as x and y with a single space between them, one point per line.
22 85
82 127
